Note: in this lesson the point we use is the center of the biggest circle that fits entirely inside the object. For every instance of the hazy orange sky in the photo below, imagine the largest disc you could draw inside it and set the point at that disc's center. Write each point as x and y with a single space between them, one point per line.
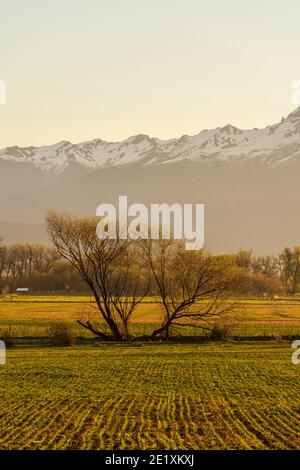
83 69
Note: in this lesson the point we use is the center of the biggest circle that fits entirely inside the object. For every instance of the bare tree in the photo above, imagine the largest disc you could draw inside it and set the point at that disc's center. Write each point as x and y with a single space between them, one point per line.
243 259
109 267
43 257
192 289
289 266
266 265
3 264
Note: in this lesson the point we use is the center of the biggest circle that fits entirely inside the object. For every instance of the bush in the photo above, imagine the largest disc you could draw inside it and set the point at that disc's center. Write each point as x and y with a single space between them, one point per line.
219 331
7 337
62 335
5 291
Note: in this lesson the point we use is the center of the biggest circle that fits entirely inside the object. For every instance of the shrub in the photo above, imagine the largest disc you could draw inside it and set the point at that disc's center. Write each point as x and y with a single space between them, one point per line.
7 337
62 335
219 331
5 291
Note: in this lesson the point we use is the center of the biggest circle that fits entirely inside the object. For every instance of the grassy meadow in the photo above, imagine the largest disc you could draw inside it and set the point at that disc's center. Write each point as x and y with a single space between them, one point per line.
151 396
94 395
32 316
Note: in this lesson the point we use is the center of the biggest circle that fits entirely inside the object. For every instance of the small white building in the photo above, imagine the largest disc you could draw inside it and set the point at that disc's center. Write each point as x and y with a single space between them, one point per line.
22 290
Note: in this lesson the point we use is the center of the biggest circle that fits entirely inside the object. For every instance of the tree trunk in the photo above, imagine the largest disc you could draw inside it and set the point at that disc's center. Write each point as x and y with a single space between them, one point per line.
163 329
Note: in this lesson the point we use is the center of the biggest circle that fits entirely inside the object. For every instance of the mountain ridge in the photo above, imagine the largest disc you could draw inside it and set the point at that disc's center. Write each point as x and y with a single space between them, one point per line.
223 144
248 182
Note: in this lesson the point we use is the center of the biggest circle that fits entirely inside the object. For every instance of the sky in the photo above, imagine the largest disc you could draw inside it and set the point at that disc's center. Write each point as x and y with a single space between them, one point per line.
83 69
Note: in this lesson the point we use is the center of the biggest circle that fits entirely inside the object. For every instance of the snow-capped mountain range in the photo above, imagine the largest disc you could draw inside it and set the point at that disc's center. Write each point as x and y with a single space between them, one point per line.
248 181
278 144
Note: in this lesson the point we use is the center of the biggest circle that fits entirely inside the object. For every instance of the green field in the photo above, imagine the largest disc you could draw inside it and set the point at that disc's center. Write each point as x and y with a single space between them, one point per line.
32 316
209 396
238 394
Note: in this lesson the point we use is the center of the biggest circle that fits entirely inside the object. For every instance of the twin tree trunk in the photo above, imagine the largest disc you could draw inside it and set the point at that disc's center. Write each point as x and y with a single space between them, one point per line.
112 267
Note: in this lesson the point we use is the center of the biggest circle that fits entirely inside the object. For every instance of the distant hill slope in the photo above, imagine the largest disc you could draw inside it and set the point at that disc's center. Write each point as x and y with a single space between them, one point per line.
248 181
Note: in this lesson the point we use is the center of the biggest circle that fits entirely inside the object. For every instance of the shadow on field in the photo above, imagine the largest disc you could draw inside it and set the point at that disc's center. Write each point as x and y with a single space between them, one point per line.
45 342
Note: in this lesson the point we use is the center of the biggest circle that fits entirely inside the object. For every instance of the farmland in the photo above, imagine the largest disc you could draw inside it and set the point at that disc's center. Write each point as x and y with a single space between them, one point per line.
208 396
32 316
94 395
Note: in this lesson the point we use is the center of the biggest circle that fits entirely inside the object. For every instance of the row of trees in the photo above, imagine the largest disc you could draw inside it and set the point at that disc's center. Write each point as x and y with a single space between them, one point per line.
37 266
193 288
284 268
43 269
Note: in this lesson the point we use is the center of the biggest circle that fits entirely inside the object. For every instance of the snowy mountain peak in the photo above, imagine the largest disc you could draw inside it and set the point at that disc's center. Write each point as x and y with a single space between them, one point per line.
295 114
229 129
278 144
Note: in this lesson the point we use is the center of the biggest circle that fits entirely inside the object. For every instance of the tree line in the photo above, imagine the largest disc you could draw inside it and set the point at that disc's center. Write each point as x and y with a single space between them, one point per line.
38 267
43 269
193 288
